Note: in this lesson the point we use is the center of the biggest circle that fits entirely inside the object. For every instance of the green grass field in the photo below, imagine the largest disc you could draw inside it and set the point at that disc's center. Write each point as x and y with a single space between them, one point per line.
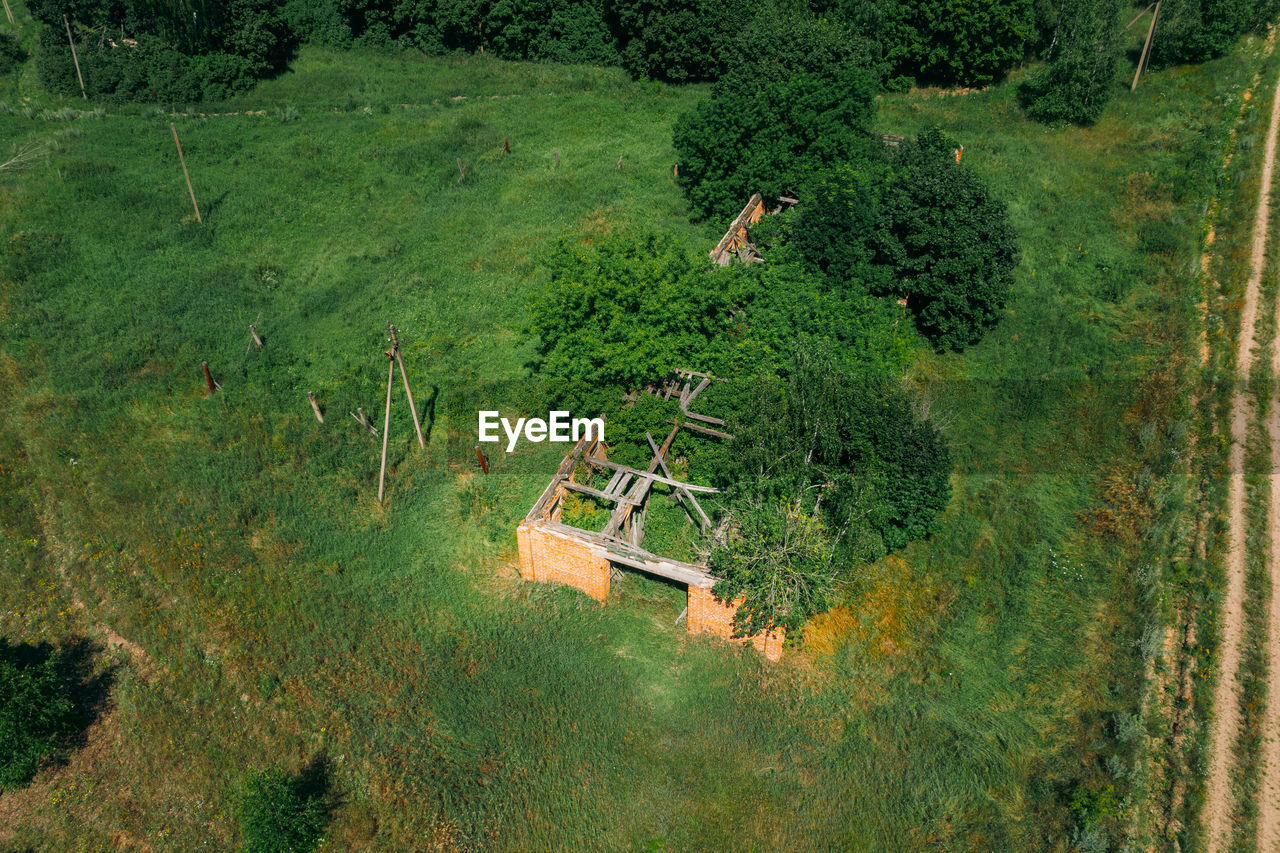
975 692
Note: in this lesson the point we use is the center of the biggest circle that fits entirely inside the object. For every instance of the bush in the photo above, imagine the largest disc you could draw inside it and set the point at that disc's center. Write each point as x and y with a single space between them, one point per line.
970 42
623 313
37 714
11 53
175 59
1200 30
681 41
948 242
777 119
1079 79
280 813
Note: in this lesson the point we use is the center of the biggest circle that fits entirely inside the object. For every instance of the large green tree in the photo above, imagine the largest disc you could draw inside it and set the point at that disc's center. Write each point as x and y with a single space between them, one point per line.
799 101
1082 60
948 242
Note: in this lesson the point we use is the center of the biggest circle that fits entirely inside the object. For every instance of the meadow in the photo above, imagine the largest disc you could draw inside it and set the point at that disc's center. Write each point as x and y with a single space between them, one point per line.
981 690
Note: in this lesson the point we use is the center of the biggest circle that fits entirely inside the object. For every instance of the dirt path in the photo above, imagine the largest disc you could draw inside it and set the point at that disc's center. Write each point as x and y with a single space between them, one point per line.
1269 791
1226 722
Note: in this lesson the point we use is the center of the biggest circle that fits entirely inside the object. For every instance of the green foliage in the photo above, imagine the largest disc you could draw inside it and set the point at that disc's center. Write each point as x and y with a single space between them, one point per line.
1200 30
779 560
623 313
678 40
11 53
966 42
844 443
948 241
834 229
1079 78
36 712
282 813
777 119
178 54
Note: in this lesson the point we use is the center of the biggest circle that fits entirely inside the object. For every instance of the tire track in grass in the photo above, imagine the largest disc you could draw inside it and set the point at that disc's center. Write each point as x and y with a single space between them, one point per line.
1226 721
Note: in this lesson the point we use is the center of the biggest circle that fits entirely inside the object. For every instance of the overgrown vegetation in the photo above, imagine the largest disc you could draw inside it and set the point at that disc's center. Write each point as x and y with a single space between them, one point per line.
973 692
37 714
285 813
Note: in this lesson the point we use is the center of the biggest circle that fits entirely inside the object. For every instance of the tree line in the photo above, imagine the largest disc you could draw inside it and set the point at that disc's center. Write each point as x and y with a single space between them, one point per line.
191 50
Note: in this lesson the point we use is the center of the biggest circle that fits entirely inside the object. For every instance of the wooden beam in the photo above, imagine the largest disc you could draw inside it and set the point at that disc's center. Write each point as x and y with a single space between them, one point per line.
615 466
702 386
1146 47
702 429
684 494
596 493
76 60
706 419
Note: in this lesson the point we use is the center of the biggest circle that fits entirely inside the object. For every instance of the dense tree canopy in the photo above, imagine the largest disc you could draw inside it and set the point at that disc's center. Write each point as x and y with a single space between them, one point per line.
777 117
969 42
948 242
1083 57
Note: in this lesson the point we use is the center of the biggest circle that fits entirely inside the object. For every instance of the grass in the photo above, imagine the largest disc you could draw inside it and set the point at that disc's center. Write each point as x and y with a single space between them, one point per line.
971 693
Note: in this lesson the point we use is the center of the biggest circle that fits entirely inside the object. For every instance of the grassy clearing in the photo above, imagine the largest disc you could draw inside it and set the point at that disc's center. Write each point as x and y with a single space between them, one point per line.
976 692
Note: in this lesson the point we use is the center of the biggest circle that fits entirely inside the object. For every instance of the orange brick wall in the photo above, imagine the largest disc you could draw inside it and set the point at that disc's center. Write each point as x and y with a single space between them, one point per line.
709 615
546 556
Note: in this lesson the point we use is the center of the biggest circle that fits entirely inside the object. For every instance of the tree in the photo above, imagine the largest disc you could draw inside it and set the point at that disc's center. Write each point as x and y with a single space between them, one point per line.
37 714
843 444
777 118
948 241
682 41
624 312
1200 30
970 42
1084 53
283 813
779 560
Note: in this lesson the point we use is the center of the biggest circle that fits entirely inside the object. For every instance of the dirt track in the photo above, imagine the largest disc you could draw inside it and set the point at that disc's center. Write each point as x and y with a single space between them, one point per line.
1225 726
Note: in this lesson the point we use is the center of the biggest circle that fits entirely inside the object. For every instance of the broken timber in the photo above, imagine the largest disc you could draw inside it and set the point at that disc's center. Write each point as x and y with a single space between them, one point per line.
735 241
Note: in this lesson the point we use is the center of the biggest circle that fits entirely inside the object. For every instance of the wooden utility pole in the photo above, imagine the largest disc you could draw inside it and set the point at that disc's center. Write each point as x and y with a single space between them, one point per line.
315 407
71 42
254 332
1146 47
213 386
395 348
185 173
8 12
386 428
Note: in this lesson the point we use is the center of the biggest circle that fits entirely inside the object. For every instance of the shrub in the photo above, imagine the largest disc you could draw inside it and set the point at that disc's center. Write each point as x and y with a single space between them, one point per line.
11 53
625 312
948 242
1079 78
681 41
280 813
775 121
37 714
1200 30
970 42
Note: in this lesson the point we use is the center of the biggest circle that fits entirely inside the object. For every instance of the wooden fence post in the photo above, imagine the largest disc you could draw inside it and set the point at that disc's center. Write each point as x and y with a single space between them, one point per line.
71 42
413 410
1146 47
315 407
386 429
484 463
185 173
461 174
204 365
253 331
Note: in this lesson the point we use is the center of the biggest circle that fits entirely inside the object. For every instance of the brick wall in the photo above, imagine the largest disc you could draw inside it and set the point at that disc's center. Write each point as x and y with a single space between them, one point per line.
709 615
547 556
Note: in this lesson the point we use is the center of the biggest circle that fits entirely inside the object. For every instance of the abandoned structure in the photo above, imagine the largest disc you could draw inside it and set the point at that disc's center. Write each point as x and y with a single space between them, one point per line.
553 551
